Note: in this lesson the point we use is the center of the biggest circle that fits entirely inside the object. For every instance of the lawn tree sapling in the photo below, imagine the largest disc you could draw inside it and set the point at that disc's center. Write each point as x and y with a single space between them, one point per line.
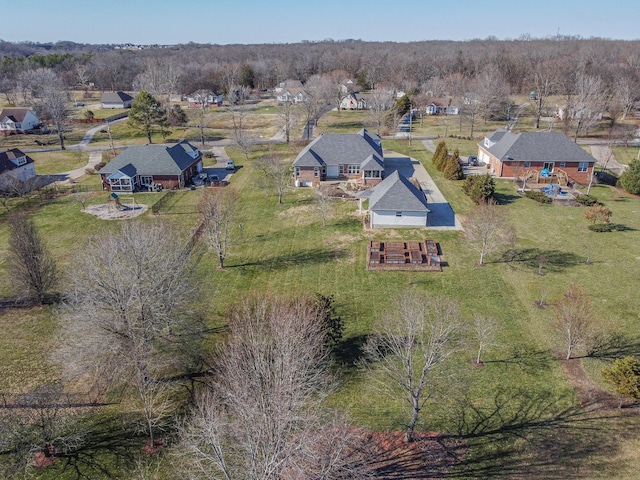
217 211
414 340
574 319
485 329
487 228
276 172
323 204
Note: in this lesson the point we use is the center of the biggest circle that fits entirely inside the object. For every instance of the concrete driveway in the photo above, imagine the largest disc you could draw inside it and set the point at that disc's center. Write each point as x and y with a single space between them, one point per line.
441 215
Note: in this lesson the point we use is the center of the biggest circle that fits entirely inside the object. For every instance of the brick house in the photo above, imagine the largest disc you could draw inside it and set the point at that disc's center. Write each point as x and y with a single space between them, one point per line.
547 154
142 167
334 156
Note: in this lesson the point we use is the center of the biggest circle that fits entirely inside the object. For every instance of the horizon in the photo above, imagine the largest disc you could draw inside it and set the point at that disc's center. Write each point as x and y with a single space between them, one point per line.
250 22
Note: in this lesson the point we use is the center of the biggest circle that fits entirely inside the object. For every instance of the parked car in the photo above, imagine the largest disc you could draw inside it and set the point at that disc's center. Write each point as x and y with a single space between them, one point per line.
473 160
78 104
230 165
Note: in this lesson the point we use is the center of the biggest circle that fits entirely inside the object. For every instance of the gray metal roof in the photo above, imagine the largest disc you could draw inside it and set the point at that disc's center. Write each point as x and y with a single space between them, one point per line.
341 149
397 193
155 159
538 147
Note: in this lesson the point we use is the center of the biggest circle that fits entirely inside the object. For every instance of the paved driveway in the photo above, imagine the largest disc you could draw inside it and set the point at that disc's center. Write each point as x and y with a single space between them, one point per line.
441 215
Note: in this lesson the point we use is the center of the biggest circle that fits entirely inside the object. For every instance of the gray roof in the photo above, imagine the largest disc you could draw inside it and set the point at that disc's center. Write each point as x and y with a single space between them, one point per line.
115 97
154 159
342 149
537 147
6 157
397 193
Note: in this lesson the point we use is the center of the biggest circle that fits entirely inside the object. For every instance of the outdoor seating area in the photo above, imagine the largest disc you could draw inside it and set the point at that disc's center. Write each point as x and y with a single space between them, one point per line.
399 255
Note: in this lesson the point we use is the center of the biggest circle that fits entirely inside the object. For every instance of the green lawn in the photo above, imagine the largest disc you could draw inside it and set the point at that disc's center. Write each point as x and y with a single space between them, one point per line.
625 155
518 414
59 161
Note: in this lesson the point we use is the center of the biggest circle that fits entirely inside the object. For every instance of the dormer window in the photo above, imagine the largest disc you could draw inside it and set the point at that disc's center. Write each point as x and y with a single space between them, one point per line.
21 160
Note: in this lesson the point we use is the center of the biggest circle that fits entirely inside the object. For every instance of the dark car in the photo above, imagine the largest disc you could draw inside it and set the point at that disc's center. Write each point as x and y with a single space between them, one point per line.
473 160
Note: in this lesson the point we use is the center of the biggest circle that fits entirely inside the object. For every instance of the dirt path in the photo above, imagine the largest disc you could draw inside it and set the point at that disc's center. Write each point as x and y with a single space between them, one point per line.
590 395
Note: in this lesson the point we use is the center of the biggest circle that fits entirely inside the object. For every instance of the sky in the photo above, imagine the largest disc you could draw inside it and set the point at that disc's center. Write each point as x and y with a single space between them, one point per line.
168 22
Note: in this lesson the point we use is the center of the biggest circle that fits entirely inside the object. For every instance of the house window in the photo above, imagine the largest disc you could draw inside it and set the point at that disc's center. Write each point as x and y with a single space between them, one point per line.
526 164
563 164
354 169
583 166
316 171
341 169
297 171
22 160
146 180
371 174
398 214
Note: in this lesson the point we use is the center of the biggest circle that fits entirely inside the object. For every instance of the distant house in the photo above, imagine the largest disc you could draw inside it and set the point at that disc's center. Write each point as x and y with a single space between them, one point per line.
17 120
334 156
197 99
396 202
442 106
16 165
292 95
550 154
353 101
144 166
116 100
287 84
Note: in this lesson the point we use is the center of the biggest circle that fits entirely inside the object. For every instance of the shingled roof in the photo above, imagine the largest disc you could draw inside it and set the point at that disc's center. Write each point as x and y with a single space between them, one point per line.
536 147
7 159
15 114
396 192
115 97
155 159
342 149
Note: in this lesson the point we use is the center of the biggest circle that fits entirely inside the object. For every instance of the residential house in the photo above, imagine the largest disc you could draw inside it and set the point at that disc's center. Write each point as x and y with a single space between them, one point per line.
546 154
17 120
116 100
353 101
288 84
396 202
16 165
292 95
334 156
442 106
348 86
203 97
143 167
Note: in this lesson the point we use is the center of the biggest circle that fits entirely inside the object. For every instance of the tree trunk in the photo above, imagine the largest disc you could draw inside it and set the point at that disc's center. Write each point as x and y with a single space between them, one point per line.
408 436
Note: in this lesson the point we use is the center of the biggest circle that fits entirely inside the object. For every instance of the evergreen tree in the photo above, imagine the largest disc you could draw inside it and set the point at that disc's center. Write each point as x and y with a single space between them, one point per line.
624 376
145 113
440 155
453 169
630 179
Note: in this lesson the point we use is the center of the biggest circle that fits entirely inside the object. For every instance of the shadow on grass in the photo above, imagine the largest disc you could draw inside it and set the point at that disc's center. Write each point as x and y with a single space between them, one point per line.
297 258
505 198
350 352
534 434
552 260
528 359
613 346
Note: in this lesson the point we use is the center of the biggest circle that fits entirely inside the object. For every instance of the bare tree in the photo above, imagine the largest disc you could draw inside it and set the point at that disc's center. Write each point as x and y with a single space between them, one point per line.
286 113
316 98
276 172
485 333
626 91
52 98
217 210
238 98
323 204
487 228
32 268
261 416
574 319
588 103
415 338
127 321
380 105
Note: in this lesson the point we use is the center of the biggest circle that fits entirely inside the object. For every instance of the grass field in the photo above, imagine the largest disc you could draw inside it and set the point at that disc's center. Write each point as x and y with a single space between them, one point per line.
519 415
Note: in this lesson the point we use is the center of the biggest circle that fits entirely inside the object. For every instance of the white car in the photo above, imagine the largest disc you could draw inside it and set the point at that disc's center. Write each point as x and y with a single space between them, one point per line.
230 165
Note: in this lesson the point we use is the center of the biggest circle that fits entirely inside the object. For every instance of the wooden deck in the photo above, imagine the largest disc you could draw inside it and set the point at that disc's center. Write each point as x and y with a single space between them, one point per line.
410 256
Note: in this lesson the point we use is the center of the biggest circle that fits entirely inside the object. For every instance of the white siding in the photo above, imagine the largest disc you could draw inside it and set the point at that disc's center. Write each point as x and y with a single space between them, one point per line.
386 218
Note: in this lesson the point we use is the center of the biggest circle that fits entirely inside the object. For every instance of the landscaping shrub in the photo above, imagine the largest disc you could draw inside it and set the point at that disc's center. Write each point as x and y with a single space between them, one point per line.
538 196
587 200
208 154
440 156
99 166
479 187
452 169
